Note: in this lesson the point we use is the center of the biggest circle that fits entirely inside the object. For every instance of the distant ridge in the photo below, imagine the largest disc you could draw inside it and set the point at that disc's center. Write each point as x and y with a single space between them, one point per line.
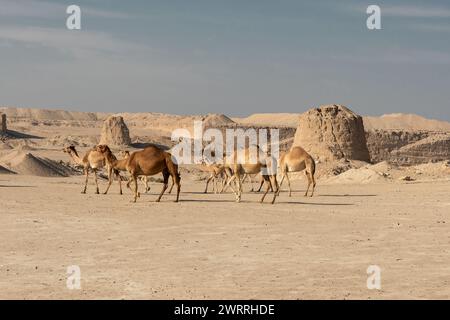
401 121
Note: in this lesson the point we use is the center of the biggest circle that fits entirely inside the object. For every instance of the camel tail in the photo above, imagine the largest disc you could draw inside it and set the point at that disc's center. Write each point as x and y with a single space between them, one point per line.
172 167
313 167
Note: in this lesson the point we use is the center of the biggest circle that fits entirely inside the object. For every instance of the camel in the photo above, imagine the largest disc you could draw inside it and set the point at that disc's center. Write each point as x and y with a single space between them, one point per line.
113 164
144 179
125 154
240 163
296 160
121 166
93 160
215 171
151 161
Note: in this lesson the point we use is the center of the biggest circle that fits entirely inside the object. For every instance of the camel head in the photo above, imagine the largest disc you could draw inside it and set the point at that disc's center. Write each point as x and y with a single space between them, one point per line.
70 149
103 148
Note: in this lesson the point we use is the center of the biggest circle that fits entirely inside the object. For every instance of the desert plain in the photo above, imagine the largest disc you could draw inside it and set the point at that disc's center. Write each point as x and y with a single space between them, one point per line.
391 213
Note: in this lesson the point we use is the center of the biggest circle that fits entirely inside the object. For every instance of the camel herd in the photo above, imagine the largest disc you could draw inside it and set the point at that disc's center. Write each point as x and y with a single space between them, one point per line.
230 173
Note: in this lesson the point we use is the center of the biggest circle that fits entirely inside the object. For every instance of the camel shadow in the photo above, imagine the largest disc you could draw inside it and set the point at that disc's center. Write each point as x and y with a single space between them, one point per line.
314 203
346 195
5 186
210 200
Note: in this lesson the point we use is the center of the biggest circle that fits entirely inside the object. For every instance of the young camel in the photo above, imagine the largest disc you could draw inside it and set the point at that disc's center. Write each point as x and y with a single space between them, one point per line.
151 161
215 171
113 165
93 160
244 162
296 160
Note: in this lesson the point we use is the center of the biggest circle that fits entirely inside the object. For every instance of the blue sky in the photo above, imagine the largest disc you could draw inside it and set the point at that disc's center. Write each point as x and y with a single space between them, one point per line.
232 56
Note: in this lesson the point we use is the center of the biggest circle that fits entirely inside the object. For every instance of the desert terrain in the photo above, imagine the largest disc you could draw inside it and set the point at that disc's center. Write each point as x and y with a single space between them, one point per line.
381 199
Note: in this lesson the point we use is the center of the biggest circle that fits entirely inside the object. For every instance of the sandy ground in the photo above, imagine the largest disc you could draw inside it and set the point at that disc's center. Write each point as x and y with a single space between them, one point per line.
207 246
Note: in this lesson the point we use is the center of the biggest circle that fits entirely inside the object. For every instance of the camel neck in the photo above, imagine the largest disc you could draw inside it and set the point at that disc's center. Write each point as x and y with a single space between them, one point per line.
75 157
111 158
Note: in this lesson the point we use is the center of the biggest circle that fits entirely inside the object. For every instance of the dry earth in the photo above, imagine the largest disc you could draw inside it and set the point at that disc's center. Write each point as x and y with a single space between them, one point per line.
207 246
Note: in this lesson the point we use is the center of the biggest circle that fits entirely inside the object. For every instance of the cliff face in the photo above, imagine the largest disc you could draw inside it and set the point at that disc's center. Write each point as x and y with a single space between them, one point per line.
432 149
407 147
382 142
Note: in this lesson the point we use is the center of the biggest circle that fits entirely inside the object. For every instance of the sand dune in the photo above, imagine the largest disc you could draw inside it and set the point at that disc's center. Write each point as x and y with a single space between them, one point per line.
400 121
27 164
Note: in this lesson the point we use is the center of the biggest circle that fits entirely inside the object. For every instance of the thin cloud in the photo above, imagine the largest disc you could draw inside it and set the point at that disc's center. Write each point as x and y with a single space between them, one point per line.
77 43
416 11
48 10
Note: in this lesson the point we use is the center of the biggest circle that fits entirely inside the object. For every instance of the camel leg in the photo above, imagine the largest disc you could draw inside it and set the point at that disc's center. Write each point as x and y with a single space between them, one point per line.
267 181
147 187
309 183
224 181
110 180
86 172
96 182
176 180
289 184
120 181
207 182
227 178
251 182
135 184
166 183
239 186
281 182
261 184
228 184
275 188
171 187
313 180
128 184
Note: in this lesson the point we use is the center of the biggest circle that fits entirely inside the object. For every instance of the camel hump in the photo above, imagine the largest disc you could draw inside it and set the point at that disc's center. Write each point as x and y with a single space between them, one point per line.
153 150
298 151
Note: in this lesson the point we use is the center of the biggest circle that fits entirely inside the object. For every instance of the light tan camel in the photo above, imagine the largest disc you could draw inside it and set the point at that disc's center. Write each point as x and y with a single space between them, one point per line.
92 160
150 161
244 162
215 171
296 160
113 164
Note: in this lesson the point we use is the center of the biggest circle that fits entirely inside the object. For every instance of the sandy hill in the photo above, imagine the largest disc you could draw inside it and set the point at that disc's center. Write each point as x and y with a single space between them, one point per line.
216 120
400 121
28 164
4 170
270 119
48 114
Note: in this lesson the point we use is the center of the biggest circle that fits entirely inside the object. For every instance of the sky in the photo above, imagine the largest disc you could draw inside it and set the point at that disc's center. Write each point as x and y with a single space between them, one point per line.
235 57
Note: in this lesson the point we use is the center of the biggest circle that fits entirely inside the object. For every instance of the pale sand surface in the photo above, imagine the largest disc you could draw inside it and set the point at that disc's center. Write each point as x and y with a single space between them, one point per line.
208 246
